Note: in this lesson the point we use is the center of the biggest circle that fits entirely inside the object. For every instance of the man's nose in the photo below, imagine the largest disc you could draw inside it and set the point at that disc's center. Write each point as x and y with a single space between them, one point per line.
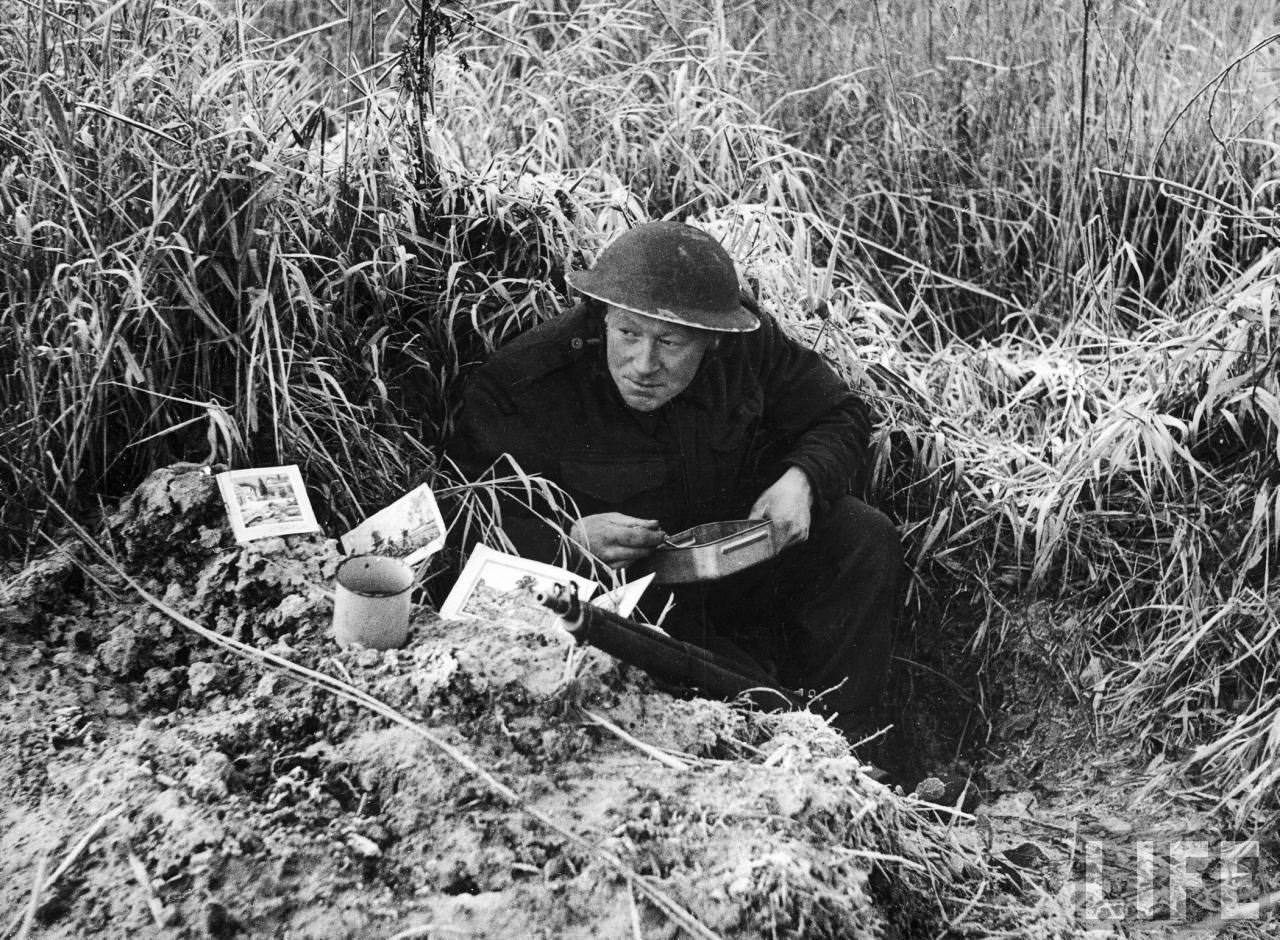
647 361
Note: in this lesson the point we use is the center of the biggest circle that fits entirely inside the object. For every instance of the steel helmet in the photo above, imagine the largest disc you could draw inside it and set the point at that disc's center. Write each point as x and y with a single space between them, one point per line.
669 271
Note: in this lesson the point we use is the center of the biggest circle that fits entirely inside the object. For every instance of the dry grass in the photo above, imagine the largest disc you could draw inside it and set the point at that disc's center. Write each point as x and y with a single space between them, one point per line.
200 261
1044 242
1011 165
1061 295
1074 353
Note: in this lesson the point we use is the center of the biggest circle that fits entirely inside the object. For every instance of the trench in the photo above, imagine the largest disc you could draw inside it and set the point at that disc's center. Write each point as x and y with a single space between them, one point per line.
937 705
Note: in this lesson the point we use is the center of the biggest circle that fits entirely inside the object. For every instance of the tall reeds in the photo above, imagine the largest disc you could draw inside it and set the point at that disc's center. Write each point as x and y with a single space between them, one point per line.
1042 237
201 260
1042 241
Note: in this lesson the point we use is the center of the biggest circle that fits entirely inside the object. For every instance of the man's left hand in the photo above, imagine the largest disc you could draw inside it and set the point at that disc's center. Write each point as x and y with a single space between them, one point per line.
787 504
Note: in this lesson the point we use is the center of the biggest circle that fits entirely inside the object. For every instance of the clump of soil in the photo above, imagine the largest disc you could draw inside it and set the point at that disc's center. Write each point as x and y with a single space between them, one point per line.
230 798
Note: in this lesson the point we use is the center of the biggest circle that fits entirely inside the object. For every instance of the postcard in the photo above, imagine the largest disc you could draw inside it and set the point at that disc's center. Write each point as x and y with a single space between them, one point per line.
410 529
495 586
266 501
622 600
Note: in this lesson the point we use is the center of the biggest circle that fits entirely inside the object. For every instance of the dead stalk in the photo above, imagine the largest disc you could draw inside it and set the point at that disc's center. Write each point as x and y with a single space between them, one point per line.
661 757
144 882
37 886
68 860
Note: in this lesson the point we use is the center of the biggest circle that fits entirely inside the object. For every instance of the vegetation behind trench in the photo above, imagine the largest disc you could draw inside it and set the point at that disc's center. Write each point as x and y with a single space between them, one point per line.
1044 239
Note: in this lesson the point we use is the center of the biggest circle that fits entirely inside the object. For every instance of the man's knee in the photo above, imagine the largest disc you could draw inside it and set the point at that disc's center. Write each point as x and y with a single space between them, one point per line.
863 536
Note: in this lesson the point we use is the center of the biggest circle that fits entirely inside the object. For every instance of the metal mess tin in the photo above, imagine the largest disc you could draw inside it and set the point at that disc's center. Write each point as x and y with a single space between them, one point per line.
710 551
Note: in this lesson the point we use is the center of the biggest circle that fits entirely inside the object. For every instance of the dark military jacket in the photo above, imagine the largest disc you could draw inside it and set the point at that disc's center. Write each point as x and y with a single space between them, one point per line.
759 403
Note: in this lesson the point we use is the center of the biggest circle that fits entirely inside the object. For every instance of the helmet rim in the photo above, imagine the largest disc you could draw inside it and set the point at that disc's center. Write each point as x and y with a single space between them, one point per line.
699 288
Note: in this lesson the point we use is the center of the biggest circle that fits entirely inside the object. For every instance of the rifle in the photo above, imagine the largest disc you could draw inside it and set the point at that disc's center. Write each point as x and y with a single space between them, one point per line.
663 657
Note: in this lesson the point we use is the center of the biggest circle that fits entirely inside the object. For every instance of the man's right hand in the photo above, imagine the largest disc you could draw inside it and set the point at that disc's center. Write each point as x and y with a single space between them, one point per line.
617 539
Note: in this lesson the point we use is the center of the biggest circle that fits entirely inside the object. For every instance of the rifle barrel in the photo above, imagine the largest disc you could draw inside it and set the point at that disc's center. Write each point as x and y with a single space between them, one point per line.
664 657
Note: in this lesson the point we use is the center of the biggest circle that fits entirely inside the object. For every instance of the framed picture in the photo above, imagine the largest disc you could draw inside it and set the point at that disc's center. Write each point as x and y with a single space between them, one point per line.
496 586
410 529
266 501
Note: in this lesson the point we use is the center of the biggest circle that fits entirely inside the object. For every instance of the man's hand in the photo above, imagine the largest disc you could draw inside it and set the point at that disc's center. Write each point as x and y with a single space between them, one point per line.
787 504
617 539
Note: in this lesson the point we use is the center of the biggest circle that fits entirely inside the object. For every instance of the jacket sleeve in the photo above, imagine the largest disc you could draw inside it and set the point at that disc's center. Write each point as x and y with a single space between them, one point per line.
490 429
825 427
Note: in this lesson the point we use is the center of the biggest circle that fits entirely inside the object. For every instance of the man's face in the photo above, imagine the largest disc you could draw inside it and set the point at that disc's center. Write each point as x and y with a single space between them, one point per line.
651 361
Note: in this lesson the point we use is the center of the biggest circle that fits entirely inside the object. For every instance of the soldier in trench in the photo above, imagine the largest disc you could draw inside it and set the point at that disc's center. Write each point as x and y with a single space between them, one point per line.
667 398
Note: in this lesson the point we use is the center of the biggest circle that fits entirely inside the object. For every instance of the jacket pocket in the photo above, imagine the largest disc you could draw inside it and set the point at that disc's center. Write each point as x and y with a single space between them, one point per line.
734 452
739 431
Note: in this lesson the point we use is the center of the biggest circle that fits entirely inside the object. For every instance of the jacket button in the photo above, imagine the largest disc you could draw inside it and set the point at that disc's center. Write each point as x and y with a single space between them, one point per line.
576 342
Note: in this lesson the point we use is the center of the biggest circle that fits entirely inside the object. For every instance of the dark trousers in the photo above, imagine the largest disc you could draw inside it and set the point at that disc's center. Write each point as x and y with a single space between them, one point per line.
820 616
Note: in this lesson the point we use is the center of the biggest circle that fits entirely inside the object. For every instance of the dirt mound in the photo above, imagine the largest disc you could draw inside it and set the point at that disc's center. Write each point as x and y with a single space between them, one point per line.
225 797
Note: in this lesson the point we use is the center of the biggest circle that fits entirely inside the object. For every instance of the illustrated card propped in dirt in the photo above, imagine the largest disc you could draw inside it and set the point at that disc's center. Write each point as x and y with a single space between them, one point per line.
266 501
497 586
410 529
622 600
